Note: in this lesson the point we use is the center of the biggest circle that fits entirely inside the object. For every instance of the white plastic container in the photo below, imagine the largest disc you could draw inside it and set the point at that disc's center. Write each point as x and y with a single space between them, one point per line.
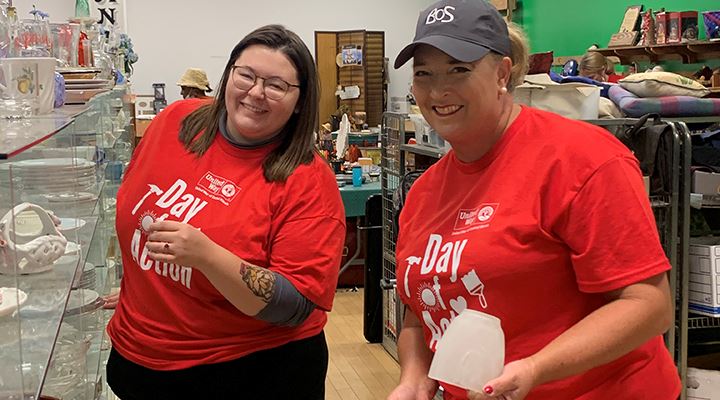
471 352
426 135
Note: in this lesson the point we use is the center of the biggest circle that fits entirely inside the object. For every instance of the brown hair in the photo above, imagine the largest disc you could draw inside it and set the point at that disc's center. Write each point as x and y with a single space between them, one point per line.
193 92
200 127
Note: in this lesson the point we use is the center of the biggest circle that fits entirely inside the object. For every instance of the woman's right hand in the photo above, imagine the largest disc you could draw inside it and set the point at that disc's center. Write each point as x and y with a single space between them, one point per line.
111 300
410 392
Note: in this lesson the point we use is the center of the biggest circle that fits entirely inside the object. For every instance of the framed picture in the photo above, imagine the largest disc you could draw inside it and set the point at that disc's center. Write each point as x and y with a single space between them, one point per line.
352 55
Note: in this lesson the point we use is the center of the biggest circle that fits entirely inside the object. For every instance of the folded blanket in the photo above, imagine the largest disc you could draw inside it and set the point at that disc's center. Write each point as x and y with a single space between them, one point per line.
604 87
668 106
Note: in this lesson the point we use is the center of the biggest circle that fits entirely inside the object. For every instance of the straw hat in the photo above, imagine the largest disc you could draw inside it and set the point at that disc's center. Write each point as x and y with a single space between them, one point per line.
195 77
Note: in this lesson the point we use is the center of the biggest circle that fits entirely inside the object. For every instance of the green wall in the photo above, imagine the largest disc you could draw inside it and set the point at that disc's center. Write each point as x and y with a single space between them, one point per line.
569 27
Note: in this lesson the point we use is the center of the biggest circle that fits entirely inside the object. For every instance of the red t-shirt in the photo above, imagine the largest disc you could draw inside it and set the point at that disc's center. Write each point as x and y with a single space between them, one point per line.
171 317
614 78
534 232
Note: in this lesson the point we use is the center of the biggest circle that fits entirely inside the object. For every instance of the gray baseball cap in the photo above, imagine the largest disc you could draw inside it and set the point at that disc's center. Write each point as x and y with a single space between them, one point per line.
466 30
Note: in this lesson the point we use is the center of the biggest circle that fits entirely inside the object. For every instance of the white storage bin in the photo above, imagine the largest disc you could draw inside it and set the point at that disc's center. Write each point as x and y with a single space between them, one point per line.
426 135
703 384
399 105
704 295
571 100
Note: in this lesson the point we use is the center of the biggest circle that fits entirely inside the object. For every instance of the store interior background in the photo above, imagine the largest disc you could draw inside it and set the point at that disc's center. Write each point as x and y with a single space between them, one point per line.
170 36
568 29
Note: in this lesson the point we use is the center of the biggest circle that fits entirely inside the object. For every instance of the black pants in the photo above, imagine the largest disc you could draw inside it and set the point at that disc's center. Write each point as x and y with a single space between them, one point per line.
293 371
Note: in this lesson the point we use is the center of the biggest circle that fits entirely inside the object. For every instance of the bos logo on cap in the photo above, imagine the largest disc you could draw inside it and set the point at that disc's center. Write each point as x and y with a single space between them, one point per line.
440 15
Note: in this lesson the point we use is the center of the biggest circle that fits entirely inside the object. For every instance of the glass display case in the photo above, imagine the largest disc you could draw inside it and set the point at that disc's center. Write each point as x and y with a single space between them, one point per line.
58 179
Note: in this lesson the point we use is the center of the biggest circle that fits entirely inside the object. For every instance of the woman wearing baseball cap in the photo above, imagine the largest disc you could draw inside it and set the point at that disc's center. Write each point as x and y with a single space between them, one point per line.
549 214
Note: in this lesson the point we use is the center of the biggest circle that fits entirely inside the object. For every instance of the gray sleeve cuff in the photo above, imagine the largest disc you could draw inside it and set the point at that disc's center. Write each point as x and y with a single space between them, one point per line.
287 307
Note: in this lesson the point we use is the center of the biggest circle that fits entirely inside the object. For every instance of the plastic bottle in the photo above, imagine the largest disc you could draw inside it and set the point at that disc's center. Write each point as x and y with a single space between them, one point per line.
357 176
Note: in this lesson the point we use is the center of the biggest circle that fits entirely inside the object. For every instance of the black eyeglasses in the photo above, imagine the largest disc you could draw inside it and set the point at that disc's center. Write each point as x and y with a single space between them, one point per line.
244 79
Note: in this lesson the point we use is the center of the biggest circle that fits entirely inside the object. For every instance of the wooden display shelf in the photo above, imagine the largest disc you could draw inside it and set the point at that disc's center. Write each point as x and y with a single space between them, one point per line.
689 52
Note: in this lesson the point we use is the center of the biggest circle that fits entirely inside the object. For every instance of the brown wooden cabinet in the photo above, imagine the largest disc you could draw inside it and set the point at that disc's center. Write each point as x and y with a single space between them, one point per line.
368 75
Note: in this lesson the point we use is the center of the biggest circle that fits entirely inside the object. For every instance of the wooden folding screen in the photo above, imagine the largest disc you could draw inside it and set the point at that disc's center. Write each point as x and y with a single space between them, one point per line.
369 76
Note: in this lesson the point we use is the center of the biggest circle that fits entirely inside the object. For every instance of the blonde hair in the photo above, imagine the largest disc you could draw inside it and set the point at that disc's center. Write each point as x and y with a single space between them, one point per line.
593 63
519 49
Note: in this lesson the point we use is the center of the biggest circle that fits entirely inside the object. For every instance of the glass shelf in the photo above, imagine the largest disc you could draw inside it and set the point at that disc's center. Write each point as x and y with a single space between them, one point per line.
42 314
51 338
22 134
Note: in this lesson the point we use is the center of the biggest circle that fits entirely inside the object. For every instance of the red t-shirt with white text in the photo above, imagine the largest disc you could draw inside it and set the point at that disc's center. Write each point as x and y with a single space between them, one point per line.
171 317
534 233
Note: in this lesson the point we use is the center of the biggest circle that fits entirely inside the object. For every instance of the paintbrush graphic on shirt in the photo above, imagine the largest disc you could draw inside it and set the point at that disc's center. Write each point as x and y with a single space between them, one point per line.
474 286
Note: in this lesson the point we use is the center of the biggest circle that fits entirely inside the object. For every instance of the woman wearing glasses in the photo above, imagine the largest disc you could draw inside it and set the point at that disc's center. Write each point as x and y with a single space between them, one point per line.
231 230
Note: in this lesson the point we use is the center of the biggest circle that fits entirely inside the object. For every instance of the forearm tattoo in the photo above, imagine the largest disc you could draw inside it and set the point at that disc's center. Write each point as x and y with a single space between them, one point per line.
260 280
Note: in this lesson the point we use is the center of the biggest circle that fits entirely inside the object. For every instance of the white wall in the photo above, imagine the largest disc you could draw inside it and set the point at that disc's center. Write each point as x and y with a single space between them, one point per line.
170 36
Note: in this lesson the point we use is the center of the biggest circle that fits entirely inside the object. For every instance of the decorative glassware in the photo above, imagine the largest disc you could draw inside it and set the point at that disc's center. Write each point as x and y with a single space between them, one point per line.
33 39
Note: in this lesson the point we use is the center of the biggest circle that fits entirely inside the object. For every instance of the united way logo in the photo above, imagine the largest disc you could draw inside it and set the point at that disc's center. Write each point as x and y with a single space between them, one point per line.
470 217
218 188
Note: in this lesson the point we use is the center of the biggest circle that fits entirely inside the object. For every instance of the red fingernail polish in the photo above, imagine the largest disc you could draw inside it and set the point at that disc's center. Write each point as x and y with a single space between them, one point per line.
488 389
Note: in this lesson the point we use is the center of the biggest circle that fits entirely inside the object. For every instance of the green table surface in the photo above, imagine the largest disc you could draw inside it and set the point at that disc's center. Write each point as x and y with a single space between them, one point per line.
354 198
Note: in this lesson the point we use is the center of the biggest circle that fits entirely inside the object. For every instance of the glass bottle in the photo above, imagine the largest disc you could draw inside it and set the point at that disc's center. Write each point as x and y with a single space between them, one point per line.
82 9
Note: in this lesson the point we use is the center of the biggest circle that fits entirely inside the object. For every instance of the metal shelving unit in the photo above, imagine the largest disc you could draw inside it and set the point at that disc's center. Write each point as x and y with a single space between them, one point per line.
393 165
680 273
703 322
630 121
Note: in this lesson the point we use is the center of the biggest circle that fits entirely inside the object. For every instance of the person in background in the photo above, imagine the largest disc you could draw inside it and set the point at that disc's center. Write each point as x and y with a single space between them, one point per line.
194 83
612 76
593 65
231 230
538 220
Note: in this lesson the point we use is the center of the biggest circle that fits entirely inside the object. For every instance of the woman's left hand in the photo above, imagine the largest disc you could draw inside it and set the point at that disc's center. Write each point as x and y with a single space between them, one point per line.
515 382
178 243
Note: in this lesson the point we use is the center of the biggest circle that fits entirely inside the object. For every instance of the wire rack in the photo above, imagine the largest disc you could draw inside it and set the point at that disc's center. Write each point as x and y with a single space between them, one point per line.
392 136
703 322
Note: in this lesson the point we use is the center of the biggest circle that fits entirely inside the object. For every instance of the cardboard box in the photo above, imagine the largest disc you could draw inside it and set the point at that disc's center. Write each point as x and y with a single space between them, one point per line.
409 126
682 26
661 20
706 183
704 294
674 27
688 26
702 384
571 100
141 124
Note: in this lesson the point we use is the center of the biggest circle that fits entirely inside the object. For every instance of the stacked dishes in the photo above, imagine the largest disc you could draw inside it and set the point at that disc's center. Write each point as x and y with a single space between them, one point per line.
85 84
81 84
79 91
88 277
78 204
50 175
